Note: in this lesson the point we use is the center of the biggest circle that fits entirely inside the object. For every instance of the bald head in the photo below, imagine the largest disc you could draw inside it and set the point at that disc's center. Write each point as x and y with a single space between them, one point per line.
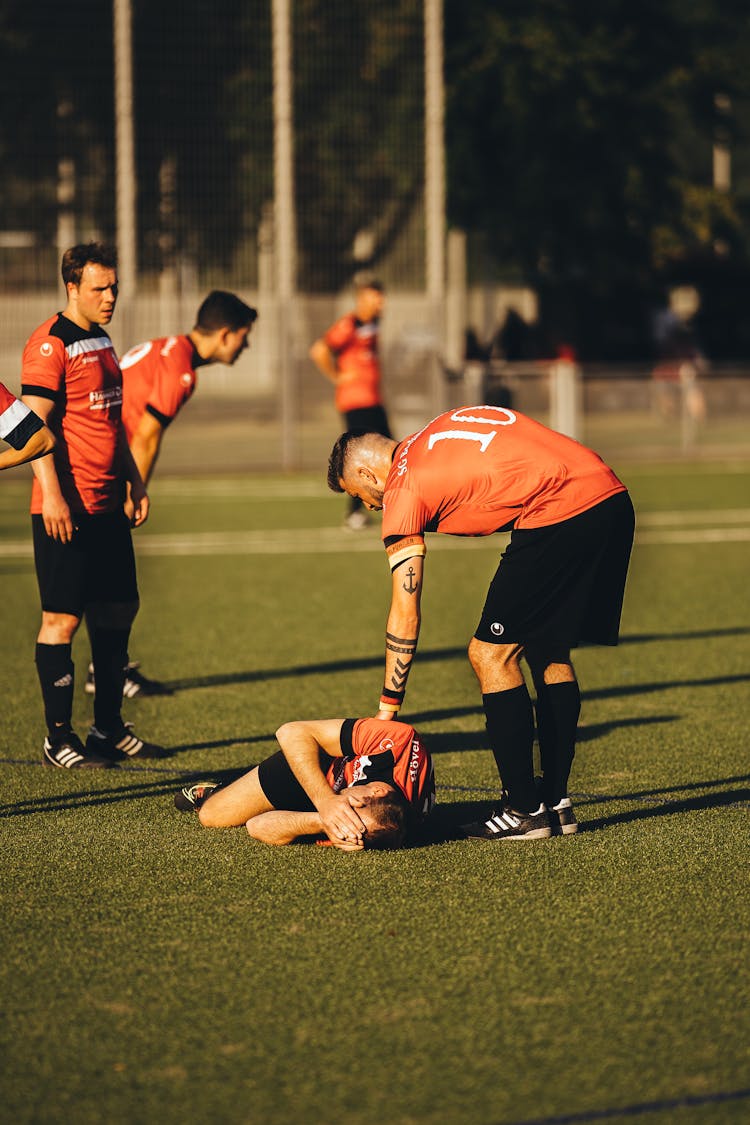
359 464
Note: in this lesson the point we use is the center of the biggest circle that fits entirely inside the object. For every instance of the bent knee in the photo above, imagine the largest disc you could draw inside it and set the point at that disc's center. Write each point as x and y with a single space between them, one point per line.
58 628
210 817
483 655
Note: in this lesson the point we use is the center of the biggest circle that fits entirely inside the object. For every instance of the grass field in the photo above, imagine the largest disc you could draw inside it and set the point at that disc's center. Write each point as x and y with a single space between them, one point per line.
153 971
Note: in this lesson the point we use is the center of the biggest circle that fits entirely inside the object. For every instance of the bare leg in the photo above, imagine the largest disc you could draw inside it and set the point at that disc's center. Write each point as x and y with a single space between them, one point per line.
236 803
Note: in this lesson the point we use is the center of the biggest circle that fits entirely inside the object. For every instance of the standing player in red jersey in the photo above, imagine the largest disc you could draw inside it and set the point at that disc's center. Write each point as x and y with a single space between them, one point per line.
560 582
22 430
159 377
357 782
82 541
348 355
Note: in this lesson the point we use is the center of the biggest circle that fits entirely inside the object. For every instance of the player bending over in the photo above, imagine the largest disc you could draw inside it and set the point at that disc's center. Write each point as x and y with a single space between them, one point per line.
158 378
358 782
559 583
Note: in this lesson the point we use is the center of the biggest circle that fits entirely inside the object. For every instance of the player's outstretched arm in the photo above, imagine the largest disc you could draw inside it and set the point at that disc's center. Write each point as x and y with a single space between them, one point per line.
282 827
137 501
402 633
279 828
301 743
58 522
145 445
40 443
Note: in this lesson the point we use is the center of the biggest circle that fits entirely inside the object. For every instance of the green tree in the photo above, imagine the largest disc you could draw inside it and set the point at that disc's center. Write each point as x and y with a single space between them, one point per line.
579 135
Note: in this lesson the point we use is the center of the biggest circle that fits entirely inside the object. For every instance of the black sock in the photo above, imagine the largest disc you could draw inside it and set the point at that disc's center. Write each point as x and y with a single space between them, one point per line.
109 653
56 676
510 724
557 709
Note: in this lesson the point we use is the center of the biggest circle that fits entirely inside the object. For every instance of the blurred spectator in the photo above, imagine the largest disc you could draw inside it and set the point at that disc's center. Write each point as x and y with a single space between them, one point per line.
679 360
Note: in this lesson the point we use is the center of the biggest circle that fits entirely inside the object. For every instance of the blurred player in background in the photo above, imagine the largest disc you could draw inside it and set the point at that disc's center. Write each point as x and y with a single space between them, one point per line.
348 355
159 377
560 582
82 541
359 783
22 430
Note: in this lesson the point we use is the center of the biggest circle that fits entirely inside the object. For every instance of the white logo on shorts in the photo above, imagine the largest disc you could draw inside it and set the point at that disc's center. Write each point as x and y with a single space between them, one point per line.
497 629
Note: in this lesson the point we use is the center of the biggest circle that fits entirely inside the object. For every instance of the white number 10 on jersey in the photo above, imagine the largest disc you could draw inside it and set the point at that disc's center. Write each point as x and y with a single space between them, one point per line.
480 416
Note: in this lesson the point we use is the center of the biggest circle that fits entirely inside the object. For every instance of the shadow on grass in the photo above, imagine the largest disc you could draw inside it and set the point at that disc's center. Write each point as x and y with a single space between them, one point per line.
637 1109
80 799
451 742
294 671
438 743
445 823
333 667
737 798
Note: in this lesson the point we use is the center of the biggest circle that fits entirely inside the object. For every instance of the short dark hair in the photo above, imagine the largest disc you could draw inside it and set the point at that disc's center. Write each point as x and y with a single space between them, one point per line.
368 281
224 310
78 257
390 814
337 460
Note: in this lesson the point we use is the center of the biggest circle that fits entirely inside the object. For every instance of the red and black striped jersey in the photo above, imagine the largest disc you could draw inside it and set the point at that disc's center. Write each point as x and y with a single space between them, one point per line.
158 378
393 752
78 370
17 422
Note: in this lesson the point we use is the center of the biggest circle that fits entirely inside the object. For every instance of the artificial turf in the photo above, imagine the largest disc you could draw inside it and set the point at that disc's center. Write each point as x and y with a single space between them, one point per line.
153 971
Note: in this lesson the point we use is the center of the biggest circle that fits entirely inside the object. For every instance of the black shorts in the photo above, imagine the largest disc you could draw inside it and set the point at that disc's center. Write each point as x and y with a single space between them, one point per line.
98 565
563 585
281 787
371 419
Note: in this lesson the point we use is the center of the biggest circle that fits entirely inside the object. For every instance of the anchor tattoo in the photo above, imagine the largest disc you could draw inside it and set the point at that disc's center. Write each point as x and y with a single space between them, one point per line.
409 584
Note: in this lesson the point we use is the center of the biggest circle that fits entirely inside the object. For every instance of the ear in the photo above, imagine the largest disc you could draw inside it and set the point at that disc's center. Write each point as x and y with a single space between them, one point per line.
367 474
383 788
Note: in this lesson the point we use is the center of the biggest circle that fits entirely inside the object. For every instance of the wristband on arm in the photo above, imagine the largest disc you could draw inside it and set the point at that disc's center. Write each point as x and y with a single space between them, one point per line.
391 700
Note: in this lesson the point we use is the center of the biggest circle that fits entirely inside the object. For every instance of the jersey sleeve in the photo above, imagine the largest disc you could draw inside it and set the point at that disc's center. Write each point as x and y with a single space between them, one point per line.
373 736
340 334
43 367
405 520
171 390
17 422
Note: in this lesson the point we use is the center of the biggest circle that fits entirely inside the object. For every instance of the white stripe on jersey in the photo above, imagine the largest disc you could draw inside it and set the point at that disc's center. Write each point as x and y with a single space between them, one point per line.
13 417
80 347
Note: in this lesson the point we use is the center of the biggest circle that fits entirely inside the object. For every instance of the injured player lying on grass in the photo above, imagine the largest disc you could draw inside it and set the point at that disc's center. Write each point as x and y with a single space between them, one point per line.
352 783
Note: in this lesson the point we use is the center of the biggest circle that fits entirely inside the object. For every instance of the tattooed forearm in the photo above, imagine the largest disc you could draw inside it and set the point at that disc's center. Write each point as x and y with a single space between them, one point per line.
399 648
400 673
400 644
409 584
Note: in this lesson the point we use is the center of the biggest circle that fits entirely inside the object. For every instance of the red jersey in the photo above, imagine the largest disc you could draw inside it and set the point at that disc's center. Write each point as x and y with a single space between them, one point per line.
393 752
158 378
354 343
480 469
17 422
78 370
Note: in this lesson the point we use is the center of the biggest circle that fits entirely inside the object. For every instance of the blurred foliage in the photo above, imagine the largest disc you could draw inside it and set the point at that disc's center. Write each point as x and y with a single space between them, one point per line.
579 135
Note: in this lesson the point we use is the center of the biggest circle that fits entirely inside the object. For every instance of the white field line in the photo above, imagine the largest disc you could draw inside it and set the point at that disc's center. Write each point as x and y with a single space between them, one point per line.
686 519
654 528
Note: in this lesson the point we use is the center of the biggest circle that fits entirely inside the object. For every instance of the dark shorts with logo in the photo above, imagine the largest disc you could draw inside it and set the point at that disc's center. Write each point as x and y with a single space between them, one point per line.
98 565
563 585
281 787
